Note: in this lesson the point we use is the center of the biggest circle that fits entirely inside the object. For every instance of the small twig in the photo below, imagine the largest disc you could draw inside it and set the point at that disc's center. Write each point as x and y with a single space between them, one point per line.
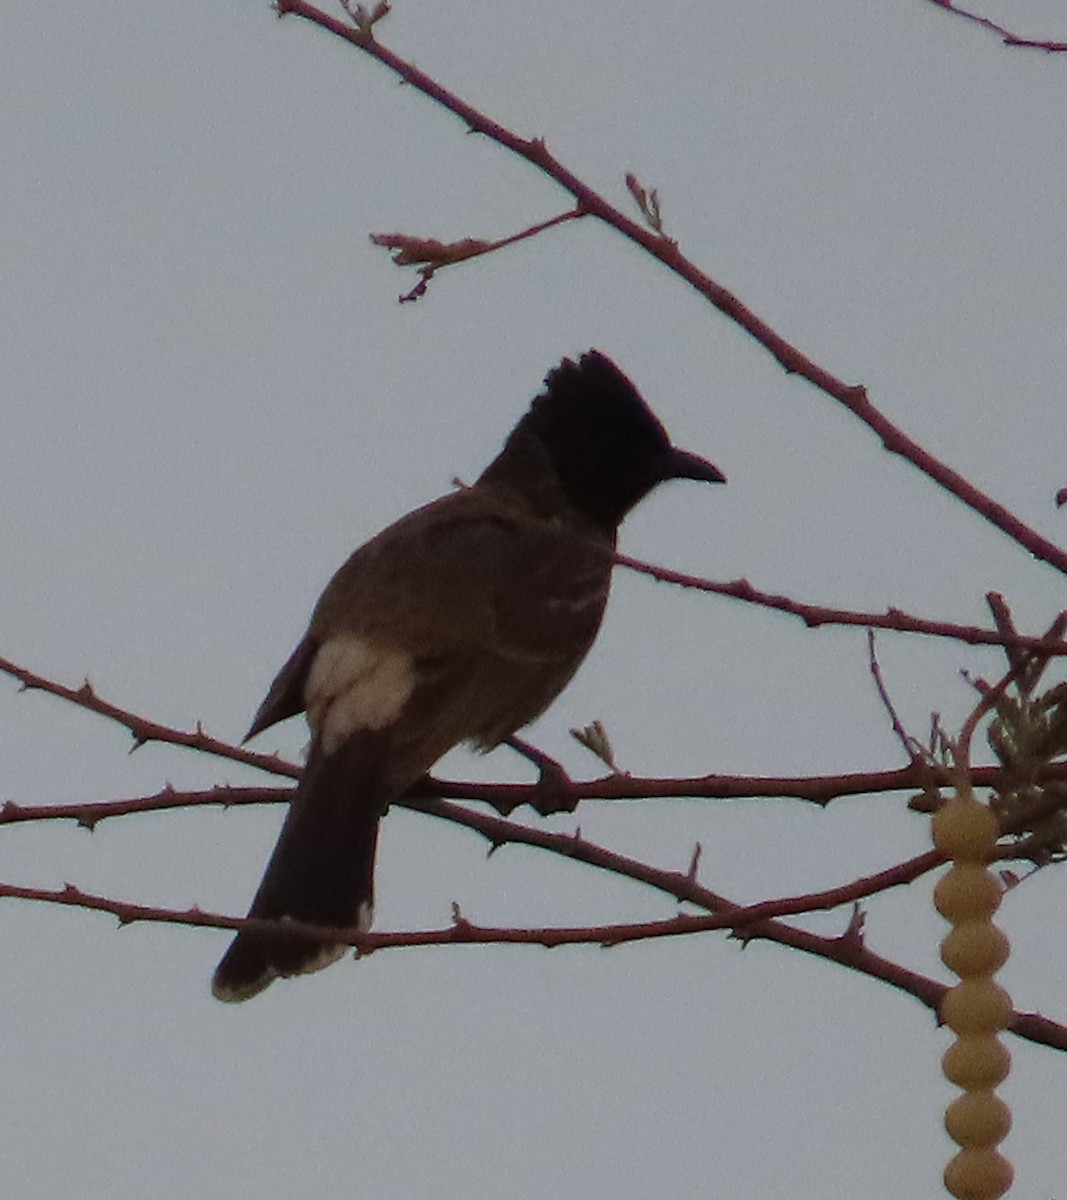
431 255
694 862
961 744
366 18
911 745
647 202
594 738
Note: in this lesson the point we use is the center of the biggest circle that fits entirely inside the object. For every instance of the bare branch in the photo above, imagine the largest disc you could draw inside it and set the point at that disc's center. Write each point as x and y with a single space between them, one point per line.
814 615
749 923
91 814
505 798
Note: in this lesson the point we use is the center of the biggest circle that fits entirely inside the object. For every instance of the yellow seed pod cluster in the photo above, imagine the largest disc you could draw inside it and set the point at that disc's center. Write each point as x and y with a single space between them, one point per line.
977 1008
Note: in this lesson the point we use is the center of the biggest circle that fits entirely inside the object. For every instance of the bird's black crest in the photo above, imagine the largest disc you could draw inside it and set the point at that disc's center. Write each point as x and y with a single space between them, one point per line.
606 444
593 394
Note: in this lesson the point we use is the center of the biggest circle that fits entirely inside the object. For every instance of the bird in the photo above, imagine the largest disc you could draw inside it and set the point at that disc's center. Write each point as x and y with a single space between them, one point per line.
460 622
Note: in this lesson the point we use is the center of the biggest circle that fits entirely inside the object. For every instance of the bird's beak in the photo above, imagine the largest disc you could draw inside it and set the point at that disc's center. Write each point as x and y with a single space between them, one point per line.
683 465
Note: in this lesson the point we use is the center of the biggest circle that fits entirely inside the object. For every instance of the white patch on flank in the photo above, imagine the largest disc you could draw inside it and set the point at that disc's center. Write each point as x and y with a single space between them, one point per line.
354 684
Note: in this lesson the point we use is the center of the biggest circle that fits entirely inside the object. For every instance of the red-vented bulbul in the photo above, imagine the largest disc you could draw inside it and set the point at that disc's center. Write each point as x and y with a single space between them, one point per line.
461 622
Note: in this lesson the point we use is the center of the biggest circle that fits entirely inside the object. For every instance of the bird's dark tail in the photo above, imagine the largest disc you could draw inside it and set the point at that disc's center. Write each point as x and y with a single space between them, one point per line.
321 872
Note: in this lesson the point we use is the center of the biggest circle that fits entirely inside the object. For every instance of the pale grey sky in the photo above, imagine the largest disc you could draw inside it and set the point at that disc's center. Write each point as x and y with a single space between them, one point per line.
212 396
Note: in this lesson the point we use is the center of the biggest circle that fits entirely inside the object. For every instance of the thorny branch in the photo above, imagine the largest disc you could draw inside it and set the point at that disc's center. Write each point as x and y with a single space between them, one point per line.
749 923
815 615
505 798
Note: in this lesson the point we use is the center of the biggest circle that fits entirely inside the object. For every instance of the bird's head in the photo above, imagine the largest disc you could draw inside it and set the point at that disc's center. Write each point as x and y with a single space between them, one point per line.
607 447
